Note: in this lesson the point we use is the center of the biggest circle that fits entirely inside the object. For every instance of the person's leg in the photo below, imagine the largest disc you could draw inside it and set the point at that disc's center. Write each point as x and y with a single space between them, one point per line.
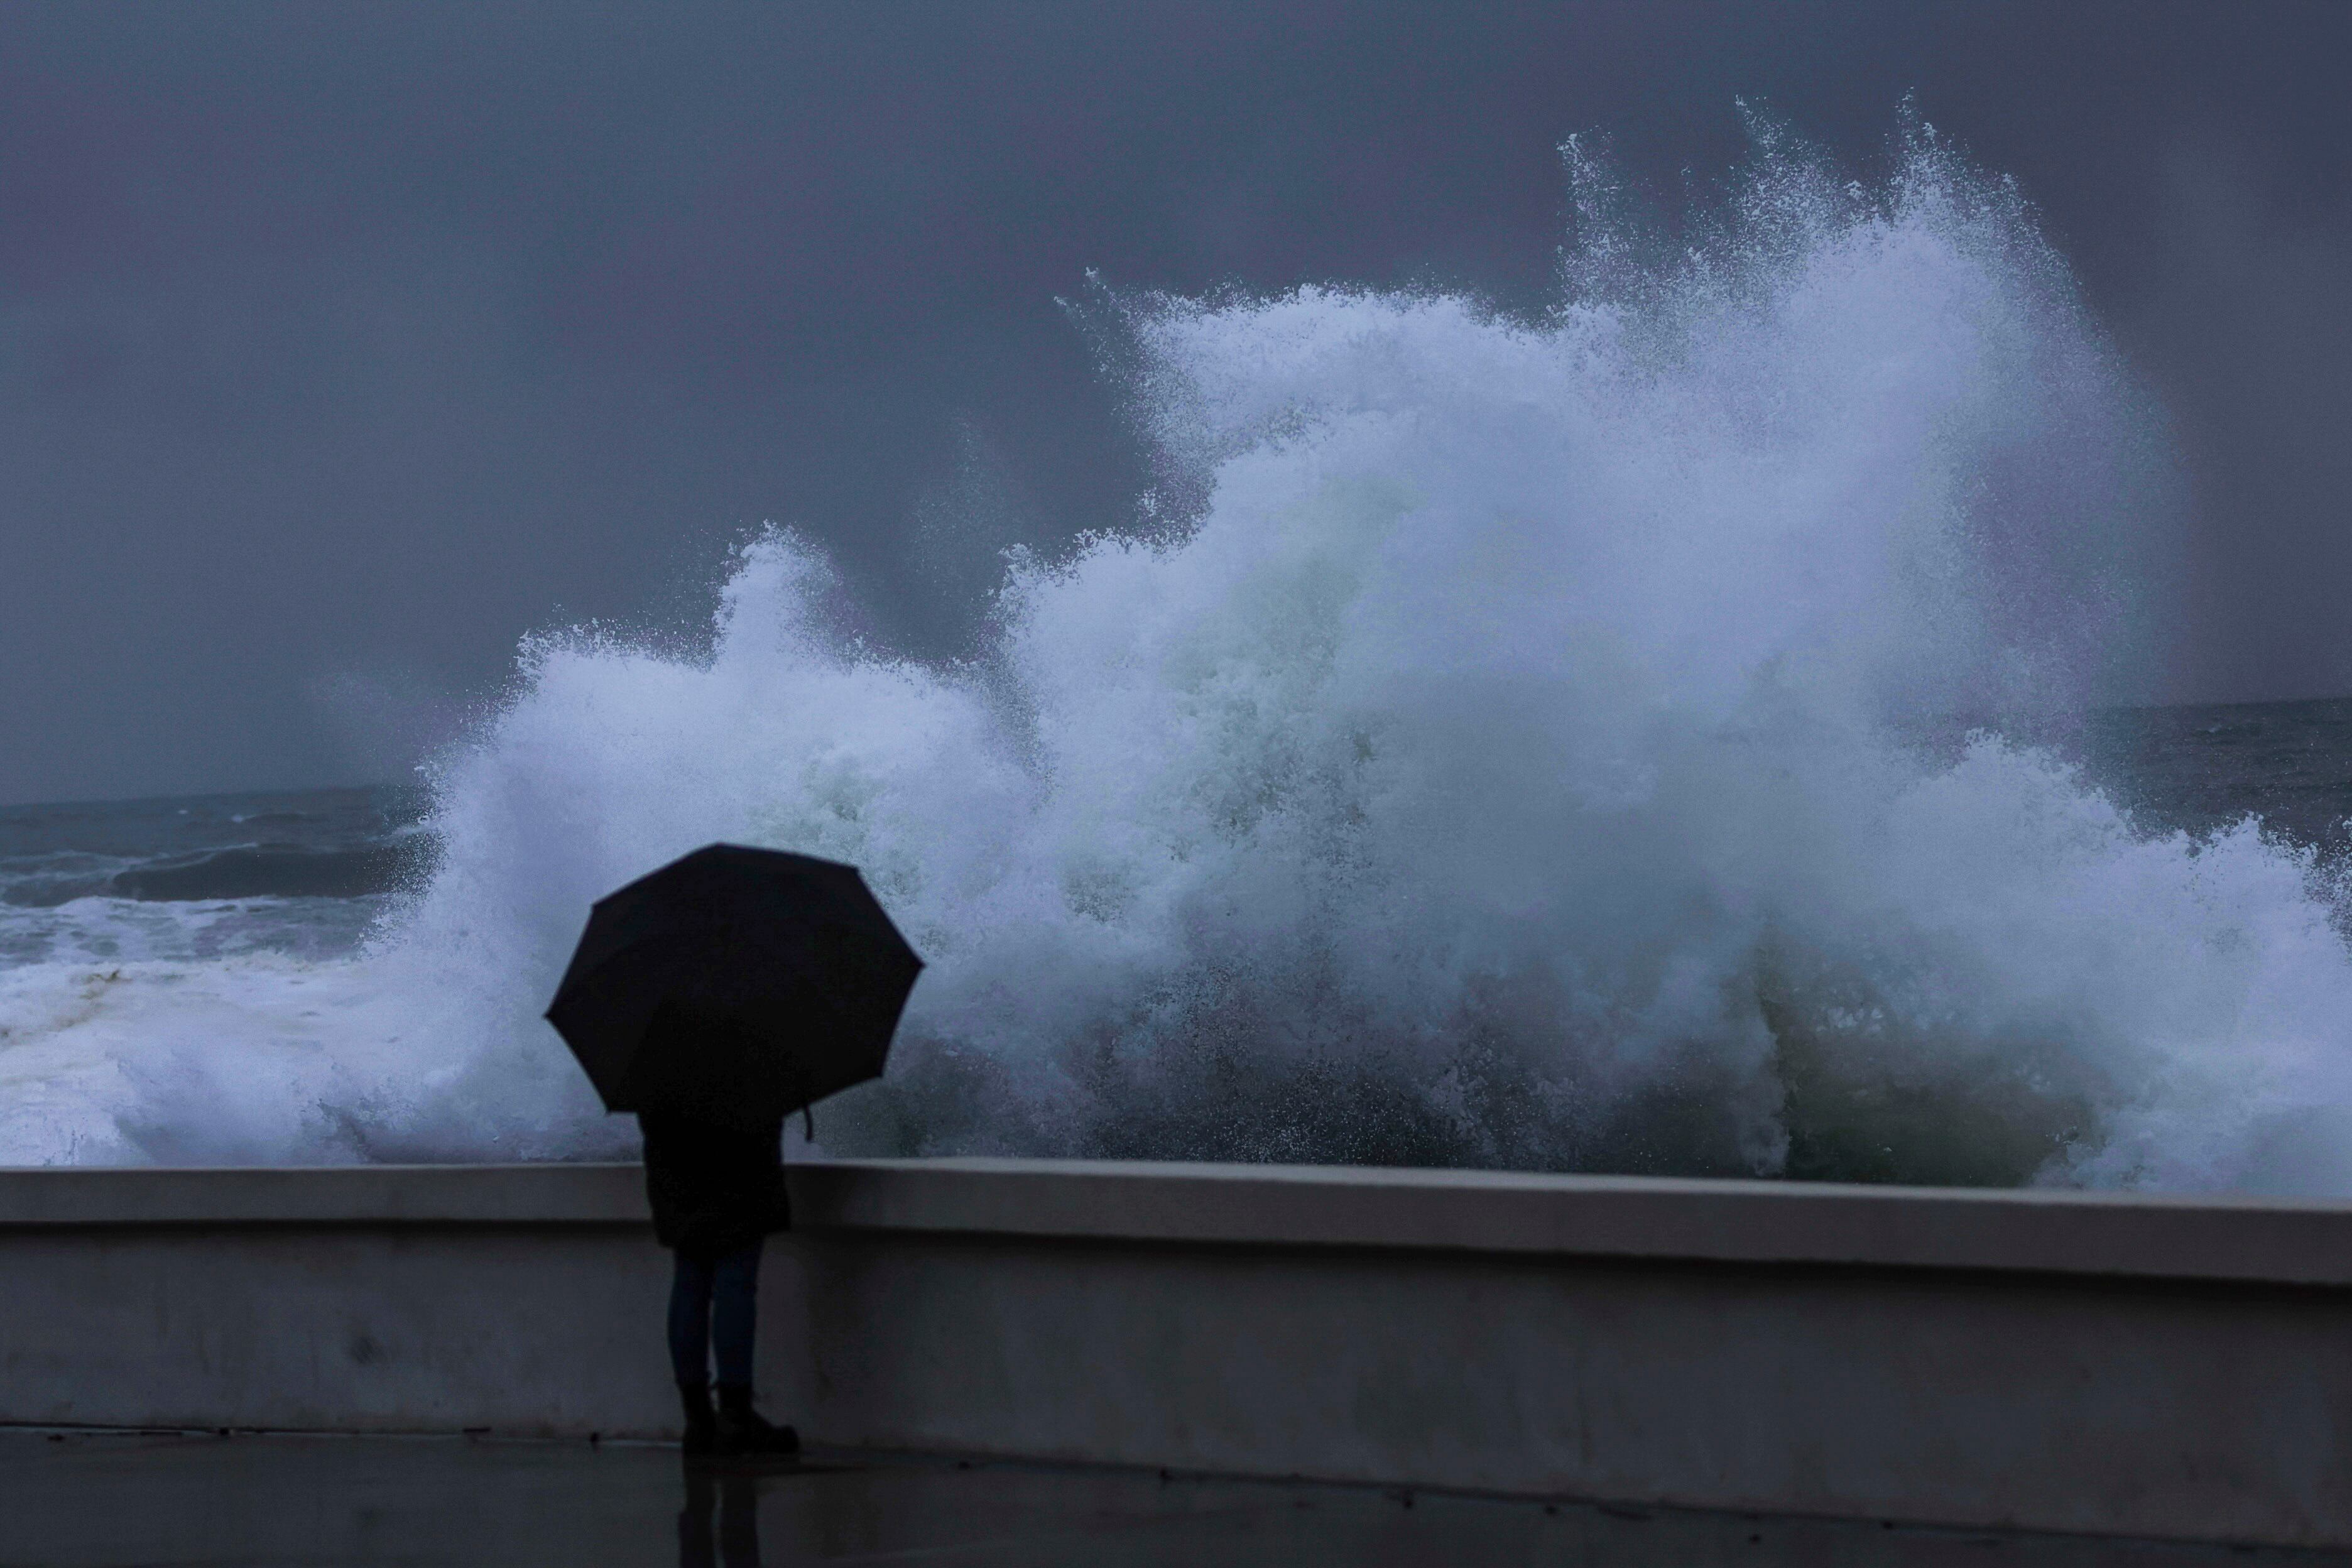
690 1289
734 1315
690 1345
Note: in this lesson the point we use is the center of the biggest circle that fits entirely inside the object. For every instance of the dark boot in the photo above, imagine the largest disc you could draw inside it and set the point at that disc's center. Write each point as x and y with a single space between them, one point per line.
701 1426
743 1430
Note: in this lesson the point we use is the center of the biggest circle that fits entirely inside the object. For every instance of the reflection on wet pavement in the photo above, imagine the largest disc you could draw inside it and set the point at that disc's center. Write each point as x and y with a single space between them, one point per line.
93 1500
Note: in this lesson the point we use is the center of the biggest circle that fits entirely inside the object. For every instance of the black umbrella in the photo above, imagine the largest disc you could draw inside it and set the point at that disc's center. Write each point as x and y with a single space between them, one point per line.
734 986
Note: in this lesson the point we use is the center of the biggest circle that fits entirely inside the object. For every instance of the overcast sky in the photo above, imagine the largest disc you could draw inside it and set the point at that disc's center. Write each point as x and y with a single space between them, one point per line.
340 345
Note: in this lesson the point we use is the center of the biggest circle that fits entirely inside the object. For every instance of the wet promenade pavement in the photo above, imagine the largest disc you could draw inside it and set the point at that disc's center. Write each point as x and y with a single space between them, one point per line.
83 1500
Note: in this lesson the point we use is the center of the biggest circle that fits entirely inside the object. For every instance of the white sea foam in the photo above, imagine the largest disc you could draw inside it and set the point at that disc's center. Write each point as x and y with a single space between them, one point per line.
1513 758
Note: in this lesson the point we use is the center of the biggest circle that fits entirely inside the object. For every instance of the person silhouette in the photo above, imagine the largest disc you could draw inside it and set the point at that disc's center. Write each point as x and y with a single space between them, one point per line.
717 1192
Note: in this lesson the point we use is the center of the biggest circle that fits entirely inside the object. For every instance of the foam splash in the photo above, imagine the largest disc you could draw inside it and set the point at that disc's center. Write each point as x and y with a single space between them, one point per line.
1512 760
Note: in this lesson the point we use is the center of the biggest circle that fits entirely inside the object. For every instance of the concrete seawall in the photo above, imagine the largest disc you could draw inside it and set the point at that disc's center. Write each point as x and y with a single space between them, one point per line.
2044 1361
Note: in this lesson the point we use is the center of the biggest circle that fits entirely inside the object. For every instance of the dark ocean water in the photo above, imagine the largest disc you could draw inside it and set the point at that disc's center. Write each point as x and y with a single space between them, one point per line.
2202 768
300 871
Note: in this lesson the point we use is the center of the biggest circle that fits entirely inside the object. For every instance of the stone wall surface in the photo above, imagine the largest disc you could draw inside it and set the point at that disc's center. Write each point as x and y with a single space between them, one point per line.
2102 1364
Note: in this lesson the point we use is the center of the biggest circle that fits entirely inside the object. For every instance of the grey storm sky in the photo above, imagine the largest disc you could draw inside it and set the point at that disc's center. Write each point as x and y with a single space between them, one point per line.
340 344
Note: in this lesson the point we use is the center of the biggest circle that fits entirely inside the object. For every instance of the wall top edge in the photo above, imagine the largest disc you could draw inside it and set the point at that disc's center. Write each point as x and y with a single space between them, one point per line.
2039 1230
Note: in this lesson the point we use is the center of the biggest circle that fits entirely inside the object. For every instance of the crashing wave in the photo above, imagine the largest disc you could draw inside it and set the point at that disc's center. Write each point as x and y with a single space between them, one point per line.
1512 755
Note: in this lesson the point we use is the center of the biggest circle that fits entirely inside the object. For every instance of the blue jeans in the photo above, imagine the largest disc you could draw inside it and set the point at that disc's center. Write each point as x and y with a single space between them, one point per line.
714 1305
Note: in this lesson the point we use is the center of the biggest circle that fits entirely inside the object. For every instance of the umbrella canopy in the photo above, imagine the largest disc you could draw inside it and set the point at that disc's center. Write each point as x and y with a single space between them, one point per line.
734 986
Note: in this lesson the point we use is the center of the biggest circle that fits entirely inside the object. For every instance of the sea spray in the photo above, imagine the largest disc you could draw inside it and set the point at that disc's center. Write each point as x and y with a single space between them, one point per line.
1572 743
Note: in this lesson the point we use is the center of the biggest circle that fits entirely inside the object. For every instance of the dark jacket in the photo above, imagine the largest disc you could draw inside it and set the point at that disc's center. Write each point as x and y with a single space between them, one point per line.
713 1188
